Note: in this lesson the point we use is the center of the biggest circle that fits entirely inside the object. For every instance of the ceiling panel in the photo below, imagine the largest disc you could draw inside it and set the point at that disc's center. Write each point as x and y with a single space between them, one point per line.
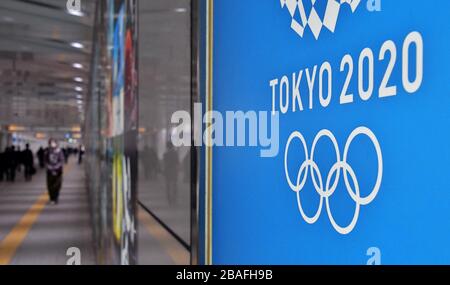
44 62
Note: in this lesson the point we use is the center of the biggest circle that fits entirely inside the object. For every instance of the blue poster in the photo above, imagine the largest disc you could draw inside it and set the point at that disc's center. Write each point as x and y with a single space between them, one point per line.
361 90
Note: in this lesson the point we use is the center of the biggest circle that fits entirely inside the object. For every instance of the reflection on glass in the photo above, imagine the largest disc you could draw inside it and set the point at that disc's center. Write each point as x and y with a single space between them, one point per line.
164 87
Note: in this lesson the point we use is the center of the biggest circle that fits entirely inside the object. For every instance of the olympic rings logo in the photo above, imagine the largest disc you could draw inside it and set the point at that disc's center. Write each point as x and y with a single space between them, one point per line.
327 189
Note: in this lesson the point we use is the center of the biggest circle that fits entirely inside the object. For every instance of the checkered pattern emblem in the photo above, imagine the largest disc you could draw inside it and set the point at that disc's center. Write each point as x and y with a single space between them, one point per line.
304 14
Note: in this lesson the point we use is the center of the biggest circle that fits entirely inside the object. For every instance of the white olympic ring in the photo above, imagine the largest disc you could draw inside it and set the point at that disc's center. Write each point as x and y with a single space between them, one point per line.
327 190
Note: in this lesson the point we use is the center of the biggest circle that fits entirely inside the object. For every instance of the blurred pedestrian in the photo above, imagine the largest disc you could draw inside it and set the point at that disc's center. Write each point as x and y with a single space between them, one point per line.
150 162
66 155
12 160
80 154
18 159
2 166
171 166
28 162
55 163
41 155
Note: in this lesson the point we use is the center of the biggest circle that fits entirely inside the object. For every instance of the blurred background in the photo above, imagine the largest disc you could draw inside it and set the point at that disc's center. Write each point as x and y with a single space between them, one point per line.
102 78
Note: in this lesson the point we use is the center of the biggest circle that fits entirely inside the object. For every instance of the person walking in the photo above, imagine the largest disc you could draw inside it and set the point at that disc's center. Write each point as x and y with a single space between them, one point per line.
19 160
41 157
171 166
150 162
54 163
2 166
80 154
66 154
13 161
28 162
7 157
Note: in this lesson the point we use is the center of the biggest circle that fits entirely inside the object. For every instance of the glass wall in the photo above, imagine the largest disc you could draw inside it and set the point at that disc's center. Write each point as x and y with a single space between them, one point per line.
111 132
130 158
165 87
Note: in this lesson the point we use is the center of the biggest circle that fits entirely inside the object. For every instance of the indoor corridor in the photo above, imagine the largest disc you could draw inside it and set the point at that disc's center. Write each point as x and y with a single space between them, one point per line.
33 232
59 82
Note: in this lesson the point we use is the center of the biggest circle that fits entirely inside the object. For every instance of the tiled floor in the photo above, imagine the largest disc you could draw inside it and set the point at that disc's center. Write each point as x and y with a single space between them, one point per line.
35 232
54 229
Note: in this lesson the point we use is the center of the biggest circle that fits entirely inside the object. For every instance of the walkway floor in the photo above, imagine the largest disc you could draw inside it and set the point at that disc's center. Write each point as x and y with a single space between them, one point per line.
160 247
33 232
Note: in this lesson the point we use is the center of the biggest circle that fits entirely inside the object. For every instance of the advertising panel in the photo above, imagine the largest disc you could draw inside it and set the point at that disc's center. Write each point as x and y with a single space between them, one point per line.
350 104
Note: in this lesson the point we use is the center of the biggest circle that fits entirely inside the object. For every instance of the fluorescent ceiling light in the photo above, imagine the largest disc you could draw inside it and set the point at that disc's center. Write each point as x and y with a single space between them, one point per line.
77 45
75 12
180 10
78 88
77 65
78 79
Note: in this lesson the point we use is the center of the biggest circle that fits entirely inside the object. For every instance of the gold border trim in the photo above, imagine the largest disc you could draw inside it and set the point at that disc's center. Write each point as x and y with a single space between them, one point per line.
209 150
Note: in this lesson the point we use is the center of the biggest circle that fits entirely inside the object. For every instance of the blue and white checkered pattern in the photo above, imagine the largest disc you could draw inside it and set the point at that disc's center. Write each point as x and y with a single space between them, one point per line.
312 19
